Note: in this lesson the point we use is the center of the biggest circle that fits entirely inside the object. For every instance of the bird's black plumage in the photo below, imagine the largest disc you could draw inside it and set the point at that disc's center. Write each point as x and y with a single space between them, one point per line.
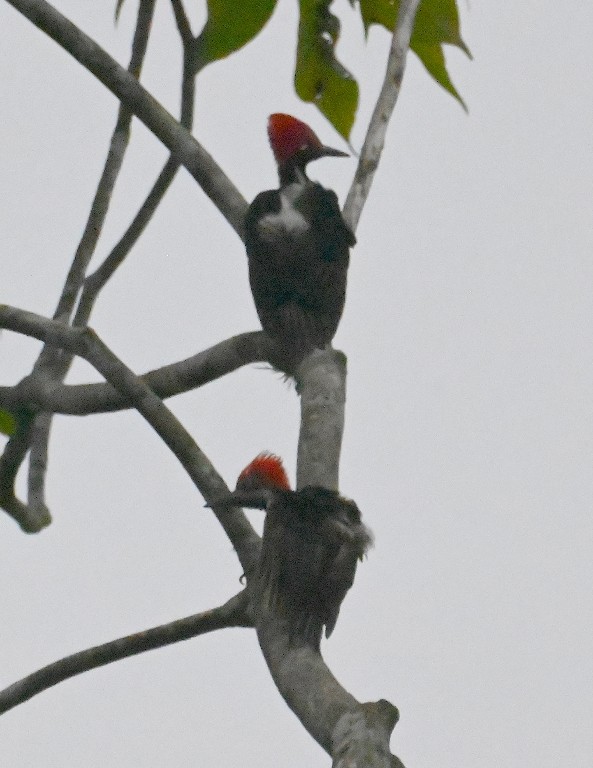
313 540
311 545
298 251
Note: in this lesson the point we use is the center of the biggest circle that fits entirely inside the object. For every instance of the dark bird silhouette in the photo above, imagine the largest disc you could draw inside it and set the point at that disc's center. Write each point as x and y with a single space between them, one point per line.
312 542
297 246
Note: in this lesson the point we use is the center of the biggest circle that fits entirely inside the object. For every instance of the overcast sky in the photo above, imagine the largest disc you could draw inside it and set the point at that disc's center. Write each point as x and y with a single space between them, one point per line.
469 433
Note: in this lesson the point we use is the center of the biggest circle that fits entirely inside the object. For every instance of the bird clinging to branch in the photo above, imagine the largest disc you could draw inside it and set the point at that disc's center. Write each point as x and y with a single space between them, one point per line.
312 542
297 246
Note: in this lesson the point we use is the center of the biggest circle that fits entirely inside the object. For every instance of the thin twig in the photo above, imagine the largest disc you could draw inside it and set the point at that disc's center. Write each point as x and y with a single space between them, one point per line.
167 381
113 164
85 343
94 283
233 613
375 137
138 100
182 21
50 361
57 365
31 520
122 83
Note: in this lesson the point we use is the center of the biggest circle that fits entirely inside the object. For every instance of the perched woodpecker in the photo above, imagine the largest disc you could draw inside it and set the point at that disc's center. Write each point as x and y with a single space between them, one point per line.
297 246
313 539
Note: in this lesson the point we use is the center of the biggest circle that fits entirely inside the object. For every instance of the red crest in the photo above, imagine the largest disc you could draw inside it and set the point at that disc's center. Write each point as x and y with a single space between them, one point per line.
288 135
268 470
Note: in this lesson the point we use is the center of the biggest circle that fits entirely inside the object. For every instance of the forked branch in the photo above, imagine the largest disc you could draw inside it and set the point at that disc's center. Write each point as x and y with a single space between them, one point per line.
167 381
86 344
355 734
52 365
138 100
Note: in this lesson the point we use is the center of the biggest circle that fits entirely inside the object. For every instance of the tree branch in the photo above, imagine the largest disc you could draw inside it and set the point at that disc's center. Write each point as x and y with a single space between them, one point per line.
30 519
51 362
113 164
182 21
95 282
126 88
321 383
356 735
233 613
85 343
375 137
168 381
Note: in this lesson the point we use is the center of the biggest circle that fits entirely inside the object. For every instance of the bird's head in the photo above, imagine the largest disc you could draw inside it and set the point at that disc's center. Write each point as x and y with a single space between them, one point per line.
257 485
295 144
265 471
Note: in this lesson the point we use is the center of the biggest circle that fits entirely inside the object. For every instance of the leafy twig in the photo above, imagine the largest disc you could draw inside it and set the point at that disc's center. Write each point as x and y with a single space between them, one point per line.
233 613
354 734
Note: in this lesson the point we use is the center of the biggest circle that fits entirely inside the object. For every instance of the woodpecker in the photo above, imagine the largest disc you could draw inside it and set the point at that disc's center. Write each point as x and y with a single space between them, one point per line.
312 542
297 246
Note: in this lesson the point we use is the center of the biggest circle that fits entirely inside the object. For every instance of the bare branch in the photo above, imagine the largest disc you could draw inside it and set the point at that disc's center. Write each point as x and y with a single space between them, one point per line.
128 90
30 520
361 738
321 382
113 164
233 613
182 21
38 458
94 283
53 365
356 735
375 138
50 361
85 343
168 381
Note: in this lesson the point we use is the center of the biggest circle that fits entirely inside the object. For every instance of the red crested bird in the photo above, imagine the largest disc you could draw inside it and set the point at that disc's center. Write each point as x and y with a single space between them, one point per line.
297 246
312 542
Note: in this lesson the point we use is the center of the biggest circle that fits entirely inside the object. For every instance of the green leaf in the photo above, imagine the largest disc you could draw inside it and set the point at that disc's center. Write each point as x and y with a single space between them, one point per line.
437 21
319 76
437 24
230 26
7 423
433 58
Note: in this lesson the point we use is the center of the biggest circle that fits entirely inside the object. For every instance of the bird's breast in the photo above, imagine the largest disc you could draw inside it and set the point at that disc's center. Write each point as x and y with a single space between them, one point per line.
287 223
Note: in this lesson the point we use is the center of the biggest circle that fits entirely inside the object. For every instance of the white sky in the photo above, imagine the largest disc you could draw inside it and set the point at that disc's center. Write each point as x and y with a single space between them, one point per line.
468 444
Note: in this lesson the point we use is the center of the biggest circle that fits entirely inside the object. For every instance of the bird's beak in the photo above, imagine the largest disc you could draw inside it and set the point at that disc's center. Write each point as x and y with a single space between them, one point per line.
330 152
253 499
221 501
